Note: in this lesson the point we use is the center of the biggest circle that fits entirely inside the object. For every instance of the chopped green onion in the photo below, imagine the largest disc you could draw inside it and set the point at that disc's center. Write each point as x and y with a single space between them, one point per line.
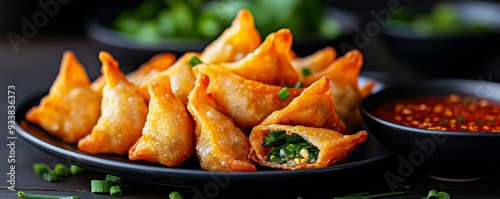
194 61
40 168
61 170
490 121
434 194
115 190
442 121
284 93
113 180
306 72
480 122
76 170
365 195
175 195
461 119
23 195
99 186
289 147
299 85
50 176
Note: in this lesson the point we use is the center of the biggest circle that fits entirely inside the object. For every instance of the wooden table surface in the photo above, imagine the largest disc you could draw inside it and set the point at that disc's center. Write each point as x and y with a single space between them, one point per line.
35 66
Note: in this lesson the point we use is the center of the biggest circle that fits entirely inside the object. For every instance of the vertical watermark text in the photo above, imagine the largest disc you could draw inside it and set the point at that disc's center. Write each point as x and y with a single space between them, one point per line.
11 136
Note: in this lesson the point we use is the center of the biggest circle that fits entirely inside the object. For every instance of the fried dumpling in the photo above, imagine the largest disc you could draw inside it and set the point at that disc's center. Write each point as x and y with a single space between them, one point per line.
220 145
314 107
241 38
71 109
168 135
300 147
270 62
344 74
314 62
247 102
146 71
123 113
181 77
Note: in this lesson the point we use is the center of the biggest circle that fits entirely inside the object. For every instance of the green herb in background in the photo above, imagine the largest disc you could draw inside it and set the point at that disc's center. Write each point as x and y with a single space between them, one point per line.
154 20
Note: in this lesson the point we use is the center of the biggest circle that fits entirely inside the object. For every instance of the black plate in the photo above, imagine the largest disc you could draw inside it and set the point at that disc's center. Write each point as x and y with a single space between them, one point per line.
189 173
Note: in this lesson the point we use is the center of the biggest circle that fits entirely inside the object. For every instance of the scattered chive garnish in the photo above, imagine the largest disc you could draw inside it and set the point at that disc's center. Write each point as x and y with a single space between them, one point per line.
113 180
480 122
306 72
40 168
366 195
490 121
175 195
61 170
115 190
76 170
194 61
284 93
442 121
299 85
99 186
21 194
461 119
50 176
433 194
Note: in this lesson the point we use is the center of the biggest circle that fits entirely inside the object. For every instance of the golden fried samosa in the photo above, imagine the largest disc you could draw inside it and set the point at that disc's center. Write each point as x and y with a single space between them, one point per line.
300 147
314 107
270 62
123 113
157 63
181 77
168 135
314 62
220 145
241 38
71 109
344 74
247 102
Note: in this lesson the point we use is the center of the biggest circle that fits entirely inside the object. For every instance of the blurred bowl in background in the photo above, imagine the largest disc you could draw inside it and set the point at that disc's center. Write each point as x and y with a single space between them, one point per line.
133 49
449 39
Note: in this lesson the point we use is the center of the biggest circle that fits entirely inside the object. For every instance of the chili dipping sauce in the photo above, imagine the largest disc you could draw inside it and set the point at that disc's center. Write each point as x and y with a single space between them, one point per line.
445 113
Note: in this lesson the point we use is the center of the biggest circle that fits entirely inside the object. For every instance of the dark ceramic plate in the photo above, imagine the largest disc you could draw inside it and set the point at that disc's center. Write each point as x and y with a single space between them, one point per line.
447 154
189 174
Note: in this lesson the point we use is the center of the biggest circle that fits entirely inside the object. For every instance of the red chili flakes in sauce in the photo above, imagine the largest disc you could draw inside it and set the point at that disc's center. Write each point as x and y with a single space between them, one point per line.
446 113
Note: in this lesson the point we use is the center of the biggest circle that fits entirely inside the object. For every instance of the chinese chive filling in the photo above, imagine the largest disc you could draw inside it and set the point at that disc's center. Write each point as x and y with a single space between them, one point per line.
288 148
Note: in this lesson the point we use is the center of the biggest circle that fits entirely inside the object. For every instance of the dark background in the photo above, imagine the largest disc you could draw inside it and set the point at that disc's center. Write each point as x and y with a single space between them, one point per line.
72 13
68 23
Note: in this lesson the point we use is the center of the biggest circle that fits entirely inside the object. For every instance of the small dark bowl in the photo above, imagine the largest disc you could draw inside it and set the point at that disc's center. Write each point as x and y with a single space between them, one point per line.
132 52
457 55
444 154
